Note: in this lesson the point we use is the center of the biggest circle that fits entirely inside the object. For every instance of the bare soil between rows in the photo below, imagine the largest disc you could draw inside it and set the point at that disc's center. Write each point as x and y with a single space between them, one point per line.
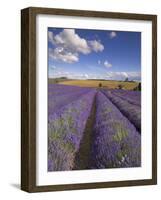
82 158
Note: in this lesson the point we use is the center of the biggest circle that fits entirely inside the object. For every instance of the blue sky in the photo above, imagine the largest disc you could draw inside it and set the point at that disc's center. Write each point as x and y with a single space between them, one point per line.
94 54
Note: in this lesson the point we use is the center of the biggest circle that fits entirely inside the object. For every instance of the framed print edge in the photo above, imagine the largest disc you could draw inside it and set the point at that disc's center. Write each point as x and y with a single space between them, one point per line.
28 99
154 99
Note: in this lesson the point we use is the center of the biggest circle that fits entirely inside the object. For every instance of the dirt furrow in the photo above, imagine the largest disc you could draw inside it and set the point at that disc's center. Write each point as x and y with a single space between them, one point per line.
82 157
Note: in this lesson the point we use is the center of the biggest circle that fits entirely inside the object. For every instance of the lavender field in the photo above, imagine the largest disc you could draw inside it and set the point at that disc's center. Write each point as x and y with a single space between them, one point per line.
93 128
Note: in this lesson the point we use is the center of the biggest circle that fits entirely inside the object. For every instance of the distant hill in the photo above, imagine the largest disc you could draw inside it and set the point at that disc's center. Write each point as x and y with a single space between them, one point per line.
109 84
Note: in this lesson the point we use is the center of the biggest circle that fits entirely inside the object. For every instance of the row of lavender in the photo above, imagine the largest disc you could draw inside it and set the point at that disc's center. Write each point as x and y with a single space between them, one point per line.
131 111
66 126
60 95
133 97
116 141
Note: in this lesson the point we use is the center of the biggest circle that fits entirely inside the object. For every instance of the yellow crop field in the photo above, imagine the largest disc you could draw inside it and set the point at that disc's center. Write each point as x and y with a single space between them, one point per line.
107 84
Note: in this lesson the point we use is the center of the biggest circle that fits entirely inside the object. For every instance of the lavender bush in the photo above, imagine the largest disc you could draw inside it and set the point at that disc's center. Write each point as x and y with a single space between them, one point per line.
60 95
133 97
131 111
116 142
65 131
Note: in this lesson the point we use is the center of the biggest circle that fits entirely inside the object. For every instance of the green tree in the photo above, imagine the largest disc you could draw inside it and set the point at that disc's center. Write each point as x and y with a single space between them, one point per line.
139 86
120 86
100 85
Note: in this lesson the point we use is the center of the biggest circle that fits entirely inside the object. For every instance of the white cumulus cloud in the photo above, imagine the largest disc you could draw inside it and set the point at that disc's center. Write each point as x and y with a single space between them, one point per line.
99 62
86 76
64 56
123 75
112 34
52 66
96 45
67 45
107 64
71 41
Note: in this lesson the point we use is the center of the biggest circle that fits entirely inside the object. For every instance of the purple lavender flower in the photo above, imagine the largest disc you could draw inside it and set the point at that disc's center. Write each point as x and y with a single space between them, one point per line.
133 97
65 131
131 111
116 142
